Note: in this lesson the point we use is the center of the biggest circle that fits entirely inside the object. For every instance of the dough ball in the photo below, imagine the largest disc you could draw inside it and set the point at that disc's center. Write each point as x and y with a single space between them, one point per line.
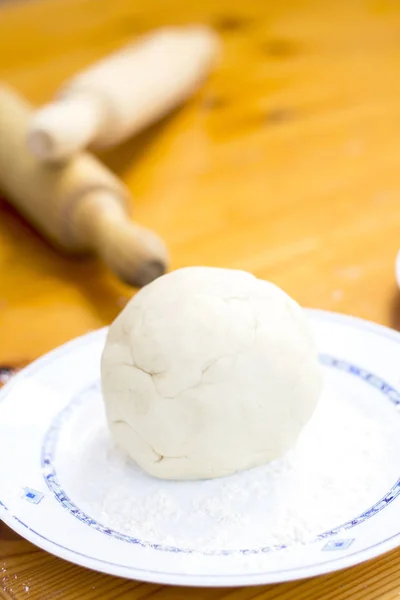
209 371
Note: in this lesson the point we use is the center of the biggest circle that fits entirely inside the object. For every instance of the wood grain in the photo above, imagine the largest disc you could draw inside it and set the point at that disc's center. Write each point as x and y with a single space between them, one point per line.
286 164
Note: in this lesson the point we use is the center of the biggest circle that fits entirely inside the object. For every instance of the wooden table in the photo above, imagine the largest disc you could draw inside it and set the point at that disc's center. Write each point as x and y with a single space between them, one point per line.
286 164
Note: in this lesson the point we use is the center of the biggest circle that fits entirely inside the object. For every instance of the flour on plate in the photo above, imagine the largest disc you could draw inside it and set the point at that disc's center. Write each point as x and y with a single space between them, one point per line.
328 478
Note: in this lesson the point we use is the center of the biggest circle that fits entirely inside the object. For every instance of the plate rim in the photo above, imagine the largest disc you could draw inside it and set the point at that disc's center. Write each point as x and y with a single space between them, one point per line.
202 581
183 579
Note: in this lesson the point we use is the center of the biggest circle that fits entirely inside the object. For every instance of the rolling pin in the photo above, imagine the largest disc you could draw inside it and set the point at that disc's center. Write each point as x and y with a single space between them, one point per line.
124 93
79 206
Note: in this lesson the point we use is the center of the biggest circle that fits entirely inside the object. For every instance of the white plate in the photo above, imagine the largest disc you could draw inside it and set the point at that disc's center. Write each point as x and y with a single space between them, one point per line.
64 488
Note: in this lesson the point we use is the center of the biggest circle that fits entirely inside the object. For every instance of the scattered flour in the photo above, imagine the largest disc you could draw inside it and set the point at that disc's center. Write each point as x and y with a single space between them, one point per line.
332 475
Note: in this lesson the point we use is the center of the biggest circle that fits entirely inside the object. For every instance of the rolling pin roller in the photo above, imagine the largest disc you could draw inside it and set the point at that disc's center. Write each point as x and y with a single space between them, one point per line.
124 93
79 206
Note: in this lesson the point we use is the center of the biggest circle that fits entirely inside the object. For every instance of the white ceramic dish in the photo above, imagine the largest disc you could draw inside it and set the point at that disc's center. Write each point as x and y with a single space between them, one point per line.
52 443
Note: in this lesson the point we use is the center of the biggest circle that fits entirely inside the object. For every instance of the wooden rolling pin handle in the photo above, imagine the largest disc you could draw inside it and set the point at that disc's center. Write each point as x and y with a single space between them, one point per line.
135 254
74 119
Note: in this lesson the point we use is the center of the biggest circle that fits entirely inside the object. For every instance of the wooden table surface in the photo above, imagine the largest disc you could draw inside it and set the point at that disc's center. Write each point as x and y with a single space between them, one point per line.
287 164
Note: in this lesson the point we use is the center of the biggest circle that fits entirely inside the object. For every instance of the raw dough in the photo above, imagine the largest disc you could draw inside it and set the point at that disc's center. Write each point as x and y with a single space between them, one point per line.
209 371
